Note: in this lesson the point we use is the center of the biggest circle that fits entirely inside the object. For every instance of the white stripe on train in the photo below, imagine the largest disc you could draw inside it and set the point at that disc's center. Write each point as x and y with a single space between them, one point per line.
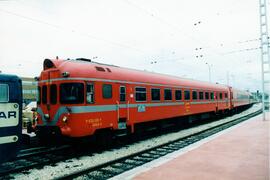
8 139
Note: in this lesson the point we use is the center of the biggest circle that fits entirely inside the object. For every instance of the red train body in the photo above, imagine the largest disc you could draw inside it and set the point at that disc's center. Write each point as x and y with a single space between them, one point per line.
78 98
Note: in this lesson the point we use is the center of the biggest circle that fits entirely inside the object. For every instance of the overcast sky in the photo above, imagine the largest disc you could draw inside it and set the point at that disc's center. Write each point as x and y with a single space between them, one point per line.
176 37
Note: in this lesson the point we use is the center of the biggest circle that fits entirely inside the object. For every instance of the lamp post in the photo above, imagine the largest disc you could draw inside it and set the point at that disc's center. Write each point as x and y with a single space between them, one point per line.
265 56
209 70
228 78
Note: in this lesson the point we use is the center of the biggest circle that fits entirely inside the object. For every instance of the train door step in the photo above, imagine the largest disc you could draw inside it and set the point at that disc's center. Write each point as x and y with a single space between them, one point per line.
122 125
121 132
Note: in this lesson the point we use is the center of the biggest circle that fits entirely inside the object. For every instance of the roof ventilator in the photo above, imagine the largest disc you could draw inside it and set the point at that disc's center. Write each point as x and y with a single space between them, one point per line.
65 74
98 68
84 59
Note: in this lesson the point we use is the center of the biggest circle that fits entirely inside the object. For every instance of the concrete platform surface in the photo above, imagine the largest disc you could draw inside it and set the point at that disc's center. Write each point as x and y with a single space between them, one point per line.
241 153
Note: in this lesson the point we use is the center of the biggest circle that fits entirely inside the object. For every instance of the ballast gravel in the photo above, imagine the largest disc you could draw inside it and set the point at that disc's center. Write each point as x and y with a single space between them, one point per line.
76 164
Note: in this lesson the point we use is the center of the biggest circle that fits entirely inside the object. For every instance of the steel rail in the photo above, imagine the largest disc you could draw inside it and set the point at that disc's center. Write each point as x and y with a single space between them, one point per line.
28 159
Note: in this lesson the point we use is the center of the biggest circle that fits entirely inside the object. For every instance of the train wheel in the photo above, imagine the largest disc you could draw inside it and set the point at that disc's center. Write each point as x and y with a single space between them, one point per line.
104 139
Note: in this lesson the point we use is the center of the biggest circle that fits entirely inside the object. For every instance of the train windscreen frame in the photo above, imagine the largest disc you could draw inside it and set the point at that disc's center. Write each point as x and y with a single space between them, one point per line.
4 92
71 93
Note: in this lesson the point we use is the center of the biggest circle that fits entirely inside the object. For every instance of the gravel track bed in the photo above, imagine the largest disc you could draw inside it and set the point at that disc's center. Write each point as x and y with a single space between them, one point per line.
72 165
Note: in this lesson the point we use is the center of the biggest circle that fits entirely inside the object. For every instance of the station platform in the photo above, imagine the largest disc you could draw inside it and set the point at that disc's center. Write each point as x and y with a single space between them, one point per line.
240 152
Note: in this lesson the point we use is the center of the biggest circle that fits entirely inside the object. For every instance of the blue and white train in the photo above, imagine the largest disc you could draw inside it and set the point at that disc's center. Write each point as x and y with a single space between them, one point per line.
10 116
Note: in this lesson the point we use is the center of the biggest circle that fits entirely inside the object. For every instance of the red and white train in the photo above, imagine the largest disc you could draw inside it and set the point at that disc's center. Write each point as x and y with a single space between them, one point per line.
79 98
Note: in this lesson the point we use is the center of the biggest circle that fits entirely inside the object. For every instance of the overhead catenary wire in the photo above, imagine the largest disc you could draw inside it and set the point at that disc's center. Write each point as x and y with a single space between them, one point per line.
161 20
109 41
35 20
157 17
173 26
244 50
177 28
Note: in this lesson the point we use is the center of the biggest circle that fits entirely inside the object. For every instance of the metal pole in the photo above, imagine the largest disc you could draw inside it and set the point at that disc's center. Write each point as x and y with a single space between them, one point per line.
209 71
228 78
265 57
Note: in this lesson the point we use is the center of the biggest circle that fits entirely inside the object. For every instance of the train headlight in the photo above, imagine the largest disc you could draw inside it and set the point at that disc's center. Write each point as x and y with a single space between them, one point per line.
47 116
65 118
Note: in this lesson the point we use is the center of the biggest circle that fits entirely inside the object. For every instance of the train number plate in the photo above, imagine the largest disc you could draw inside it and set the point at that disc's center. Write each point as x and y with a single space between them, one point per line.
141 108
122 125
9 114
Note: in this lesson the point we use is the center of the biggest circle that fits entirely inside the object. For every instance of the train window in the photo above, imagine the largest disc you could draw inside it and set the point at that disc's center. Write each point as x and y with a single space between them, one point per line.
107 91
108 69
212 95
194 95
155 94
89 93
71 93
44 94
226 95
140 93
4 94
167 94
201 95
38 95
220 95
53 94
206 95
178 95
122 93
100 69
187 95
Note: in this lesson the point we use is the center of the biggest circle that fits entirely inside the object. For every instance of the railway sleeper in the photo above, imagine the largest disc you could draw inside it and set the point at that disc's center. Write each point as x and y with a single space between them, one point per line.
143 158
95 175
108 171
132 163
118 166
171 149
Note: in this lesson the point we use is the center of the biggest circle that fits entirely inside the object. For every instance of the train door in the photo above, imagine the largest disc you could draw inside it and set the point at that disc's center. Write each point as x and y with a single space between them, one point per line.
89 92
52 105
49 98
231 98
123 108
187 101
50 92
216 100
10 116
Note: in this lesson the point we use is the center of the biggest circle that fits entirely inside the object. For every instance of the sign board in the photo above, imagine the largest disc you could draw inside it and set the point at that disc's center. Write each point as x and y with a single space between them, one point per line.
9 114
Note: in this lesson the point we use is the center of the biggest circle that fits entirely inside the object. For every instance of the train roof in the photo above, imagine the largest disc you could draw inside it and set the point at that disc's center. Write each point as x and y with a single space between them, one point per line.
239 91
8 77
83 68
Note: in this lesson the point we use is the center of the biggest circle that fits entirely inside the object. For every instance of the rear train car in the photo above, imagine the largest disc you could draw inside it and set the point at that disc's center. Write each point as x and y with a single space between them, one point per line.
10 116
240 99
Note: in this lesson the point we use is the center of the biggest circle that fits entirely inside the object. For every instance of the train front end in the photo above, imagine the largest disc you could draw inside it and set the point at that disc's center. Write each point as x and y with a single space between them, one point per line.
10 116
61 102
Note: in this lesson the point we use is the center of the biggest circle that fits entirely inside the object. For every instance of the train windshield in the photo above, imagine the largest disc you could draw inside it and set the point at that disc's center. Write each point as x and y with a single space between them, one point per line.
3 93
71 93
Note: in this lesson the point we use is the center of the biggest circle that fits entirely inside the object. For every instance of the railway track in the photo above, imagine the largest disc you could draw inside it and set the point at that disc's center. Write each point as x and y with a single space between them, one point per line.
120 165
28 153
34 158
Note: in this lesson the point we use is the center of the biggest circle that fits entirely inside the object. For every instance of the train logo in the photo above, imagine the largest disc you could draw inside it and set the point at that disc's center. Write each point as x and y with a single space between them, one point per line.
9 114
